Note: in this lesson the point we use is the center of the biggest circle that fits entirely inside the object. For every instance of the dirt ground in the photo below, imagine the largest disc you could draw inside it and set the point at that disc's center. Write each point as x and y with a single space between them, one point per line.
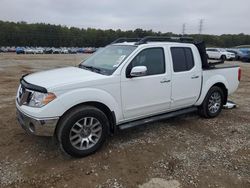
187 151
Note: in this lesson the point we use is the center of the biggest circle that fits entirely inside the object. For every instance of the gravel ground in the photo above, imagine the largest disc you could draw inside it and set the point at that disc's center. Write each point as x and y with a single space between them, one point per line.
187 151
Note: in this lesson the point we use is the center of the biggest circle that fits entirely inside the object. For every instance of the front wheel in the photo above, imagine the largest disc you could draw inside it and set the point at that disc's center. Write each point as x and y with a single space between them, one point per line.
82 131
223 58
213 103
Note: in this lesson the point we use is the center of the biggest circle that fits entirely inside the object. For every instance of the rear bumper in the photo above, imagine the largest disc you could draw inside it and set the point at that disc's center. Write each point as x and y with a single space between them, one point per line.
37 126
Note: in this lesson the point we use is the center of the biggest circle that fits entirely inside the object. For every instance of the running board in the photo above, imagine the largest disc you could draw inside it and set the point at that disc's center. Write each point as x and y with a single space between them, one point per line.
156 118
230 105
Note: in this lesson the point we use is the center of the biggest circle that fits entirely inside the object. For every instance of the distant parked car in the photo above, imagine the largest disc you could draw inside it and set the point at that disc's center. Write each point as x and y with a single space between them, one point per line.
80 50
246 57
64 51
72 50
219 53
4 49
90 50
20 50
48 51
245 52
238 54
38 50
56 50
29 51
11 49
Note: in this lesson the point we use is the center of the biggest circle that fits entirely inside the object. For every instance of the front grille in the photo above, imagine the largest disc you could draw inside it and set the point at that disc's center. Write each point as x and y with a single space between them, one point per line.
24 95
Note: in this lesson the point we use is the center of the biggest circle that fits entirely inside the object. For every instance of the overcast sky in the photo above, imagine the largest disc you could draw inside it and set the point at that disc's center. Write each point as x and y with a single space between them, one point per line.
220 16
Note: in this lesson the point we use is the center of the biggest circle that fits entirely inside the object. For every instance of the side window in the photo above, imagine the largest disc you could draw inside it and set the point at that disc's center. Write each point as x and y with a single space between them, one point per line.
152 58
183 59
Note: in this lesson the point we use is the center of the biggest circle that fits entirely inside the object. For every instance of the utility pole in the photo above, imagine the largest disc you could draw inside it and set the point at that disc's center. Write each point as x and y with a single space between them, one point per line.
183 29
201 26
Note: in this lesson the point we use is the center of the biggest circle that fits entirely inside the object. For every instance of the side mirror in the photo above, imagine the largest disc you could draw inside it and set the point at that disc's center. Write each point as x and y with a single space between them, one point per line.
138 71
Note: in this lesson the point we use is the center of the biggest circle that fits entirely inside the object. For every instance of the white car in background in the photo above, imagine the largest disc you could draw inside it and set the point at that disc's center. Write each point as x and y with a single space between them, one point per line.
34 50
64 51
38 51
56 51
29 51
219 53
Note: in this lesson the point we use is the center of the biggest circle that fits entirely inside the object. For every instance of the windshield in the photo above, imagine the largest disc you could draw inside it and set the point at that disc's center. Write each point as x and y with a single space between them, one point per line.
222 50
106 60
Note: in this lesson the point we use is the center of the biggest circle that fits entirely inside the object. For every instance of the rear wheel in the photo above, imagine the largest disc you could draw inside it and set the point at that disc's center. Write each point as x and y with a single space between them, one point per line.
213 103
82 131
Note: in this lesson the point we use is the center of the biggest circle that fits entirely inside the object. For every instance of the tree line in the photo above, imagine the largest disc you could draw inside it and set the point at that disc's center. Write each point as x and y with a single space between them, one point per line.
48 35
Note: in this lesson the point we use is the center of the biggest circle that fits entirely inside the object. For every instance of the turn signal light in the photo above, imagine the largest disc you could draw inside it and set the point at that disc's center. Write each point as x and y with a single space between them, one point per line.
50 97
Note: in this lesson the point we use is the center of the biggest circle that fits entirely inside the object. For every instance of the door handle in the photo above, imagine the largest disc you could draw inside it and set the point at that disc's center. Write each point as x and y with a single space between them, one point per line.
194 77
165 81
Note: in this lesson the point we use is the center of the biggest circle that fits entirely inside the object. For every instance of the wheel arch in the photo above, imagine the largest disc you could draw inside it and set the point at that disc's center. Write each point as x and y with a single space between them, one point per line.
220 85
224 90
104 108
218 81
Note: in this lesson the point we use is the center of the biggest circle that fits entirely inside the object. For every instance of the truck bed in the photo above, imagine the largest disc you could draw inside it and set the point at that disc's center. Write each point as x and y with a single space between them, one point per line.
227 74
219 66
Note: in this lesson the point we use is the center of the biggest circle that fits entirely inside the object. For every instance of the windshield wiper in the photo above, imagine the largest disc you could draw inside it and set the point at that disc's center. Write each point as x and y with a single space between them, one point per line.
91 68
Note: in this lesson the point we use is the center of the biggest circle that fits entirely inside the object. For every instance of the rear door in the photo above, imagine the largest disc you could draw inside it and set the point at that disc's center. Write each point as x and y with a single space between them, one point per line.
186 76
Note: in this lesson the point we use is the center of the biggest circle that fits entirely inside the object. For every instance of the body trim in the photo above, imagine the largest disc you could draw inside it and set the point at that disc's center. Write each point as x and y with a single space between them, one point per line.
156 118
32 86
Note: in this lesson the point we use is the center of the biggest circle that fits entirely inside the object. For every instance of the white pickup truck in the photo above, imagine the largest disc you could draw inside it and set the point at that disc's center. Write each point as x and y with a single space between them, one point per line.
123 85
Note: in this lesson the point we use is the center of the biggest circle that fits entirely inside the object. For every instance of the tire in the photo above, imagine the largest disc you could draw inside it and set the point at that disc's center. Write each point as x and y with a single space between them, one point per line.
213 103
82 131
223 58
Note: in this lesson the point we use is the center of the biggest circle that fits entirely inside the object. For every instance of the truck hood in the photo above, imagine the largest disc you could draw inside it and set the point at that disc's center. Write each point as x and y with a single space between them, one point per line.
62 77
227 53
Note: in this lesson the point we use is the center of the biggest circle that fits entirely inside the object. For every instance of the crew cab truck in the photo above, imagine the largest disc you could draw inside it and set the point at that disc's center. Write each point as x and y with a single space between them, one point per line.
123 85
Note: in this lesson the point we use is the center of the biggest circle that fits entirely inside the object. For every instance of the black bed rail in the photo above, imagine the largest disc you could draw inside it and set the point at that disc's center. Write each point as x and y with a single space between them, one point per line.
125 39
146 39
165 39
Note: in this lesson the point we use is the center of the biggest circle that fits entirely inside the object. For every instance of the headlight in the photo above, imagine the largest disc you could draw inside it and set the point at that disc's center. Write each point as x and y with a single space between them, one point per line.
40 99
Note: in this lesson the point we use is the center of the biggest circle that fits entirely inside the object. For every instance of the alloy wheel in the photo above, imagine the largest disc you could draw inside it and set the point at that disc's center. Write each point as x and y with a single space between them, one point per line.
85 133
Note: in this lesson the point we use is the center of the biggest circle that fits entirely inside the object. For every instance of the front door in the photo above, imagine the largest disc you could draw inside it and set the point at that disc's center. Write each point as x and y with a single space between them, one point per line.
148 94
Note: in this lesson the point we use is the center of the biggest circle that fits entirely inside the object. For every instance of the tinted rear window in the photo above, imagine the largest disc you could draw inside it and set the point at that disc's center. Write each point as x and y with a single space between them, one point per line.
182 59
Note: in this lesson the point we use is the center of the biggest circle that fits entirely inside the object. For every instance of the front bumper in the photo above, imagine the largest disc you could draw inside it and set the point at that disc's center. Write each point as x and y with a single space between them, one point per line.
37 126
230 57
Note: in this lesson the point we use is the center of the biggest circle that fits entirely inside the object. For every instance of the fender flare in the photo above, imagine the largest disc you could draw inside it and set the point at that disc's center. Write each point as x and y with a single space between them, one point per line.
217 79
